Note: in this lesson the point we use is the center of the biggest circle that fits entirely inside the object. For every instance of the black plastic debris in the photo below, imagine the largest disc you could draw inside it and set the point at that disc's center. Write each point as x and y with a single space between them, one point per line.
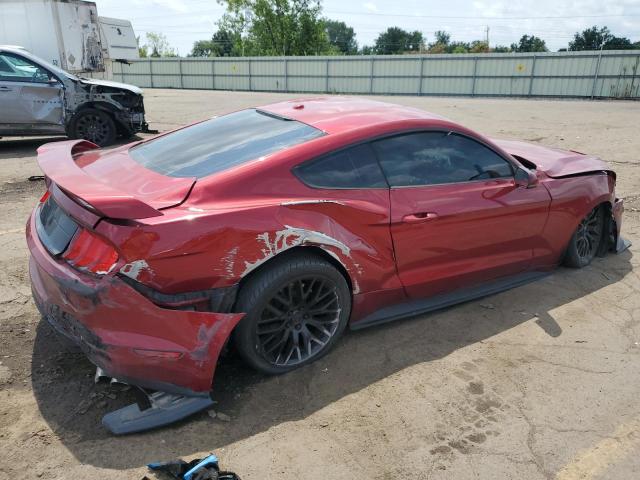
198 469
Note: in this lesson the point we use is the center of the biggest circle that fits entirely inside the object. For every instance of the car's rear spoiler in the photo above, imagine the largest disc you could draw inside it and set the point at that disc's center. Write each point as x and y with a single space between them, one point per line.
57 161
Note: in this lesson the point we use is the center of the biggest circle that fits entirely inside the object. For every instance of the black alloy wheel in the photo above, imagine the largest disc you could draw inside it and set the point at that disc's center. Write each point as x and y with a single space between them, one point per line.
296 308
585 242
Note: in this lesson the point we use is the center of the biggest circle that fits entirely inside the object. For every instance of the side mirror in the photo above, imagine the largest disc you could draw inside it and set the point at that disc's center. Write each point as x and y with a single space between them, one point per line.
526 178
53 81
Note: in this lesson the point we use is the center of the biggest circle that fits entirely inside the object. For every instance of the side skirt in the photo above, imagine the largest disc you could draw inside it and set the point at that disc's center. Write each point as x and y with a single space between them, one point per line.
418 307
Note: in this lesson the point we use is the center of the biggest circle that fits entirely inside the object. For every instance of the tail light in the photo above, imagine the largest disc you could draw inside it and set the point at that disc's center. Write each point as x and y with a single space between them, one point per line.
88 252
45 196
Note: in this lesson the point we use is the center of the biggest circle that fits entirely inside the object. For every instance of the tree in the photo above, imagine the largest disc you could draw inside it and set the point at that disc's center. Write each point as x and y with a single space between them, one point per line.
276 27
441 45
479 46
458 47
158 44
530 44
442 37
203 48
502 49
367 50
222 44
341 36
142 49
397 40
595 38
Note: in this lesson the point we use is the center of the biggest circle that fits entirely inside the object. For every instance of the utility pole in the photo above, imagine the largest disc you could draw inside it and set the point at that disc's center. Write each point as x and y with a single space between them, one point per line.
487 30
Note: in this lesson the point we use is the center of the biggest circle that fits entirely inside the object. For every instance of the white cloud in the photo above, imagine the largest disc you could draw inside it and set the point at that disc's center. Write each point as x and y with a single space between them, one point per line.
370 7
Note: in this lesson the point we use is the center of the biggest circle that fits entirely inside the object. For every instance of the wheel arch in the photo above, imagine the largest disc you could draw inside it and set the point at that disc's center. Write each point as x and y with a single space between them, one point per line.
105 107
316 250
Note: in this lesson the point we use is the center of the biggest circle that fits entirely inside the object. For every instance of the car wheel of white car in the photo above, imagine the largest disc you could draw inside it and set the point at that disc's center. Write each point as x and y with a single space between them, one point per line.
93 125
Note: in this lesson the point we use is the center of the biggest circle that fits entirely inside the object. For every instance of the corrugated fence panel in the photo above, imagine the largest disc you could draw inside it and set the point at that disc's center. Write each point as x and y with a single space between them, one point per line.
562 74
447 86
305 84
197 74
454 66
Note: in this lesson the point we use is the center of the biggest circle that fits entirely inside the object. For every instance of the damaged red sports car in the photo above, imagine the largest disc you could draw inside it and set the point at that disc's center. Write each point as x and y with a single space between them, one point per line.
276 227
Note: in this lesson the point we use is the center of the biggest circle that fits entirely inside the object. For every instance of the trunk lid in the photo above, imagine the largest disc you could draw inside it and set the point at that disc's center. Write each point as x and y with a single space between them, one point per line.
110 183
555 162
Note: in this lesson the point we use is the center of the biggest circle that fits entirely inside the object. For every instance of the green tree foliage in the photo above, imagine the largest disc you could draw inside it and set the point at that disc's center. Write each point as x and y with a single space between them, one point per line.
396 40
479 46
142 49
501 49
158 45
223 44
530 44
595 38
367 50
341 37
276 27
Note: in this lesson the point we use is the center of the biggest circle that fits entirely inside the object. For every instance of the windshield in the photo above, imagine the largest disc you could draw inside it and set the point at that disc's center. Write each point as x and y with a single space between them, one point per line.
221 143
52 68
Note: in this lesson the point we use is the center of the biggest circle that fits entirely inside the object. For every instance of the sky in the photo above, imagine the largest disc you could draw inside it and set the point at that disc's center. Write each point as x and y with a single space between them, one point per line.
555 21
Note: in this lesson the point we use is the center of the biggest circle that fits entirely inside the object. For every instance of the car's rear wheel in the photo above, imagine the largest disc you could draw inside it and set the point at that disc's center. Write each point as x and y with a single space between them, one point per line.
585 242
296 308
94 125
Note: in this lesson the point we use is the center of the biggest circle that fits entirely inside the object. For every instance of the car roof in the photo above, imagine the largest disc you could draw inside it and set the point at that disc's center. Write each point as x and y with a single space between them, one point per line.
13 48
340 114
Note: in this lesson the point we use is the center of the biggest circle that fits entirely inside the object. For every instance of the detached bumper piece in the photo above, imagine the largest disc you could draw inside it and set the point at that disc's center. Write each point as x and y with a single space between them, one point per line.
152 411
198 469
622 244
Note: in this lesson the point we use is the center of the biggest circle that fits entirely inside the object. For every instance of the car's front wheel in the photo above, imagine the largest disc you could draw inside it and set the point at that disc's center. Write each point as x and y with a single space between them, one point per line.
94 125
296 308
585 242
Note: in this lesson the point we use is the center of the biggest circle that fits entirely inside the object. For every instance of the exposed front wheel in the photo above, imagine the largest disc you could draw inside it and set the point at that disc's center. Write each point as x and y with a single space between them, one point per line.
93 125
585 241
296 310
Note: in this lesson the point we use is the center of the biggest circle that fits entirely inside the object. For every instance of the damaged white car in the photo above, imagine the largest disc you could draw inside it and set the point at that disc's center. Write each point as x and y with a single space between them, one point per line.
37 98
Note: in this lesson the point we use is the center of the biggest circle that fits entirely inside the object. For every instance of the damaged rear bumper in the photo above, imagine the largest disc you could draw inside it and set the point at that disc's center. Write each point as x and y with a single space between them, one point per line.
123 332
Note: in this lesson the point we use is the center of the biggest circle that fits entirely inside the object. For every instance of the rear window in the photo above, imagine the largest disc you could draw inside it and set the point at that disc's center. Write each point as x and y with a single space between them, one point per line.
221 143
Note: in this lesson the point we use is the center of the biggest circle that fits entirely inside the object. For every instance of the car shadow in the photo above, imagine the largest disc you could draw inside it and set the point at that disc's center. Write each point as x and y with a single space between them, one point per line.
22 147
73 406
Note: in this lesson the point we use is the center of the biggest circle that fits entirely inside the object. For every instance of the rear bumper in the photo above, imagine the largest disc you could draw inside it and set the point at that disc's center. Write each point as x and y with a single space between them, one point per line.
123 332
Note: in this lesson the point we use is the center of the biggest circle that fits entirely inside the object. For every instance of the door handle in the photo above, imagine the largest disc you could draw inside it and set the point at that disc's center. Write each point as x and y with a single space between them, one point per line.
420 217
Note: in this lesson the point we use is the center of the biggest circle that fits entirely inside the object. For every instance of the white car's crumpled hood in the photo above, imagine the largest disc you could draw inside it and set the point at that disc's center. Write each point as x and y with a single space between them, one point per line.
108 83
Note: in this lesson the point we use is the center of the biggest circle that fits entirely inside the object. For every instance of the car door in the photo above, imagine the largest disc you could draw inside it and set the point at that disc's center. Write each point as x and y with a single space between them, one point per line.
29 94
458 218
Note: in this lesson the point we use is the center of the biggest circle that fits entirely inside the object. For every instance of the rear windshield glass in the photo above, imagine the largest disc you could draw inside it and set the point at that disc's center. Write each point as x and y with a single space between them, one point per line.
221 143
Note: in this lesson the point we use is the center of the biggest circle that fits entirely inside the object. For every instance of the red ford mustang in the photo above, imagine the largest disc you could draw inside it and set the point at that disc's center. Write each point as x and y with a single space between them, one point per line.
278 226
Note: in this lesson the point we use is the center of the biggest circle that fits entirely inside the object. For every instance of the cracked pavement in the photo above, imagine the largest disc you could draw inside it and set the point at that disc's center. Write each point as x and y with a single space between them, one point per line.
539 382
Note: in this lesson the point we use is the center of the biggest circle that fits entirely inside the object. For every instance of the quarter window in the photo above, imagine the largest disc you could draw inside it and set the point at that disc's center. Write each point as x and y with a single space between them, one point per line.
432 158
354 167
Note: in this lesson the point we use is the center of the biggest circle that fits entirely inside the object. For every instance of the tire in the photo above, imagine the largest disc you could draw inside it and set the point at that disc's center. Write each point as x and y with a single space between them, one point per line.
284 309
94 125
585 241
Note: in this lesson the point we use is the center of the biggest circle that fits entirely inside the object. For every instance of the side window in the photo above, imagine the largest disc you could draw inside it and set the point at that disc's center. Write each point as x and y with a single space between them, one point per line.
18 69
432 158
354 167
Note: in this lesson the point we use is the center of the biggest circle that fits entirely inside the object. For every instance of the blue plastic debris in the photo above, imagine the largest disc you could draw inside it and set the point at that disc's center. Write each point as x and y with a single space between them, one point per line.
198 469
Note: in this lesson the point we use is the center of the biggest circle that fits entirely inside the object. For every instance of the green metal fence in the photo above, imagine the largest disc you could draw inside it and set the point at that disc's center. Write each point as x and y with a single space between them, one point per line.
564 74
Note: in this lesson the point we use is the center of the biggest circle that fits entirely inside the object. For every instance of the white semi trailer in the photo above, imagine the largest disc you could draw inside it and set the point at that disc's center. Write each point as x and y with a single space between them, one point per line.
67 33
